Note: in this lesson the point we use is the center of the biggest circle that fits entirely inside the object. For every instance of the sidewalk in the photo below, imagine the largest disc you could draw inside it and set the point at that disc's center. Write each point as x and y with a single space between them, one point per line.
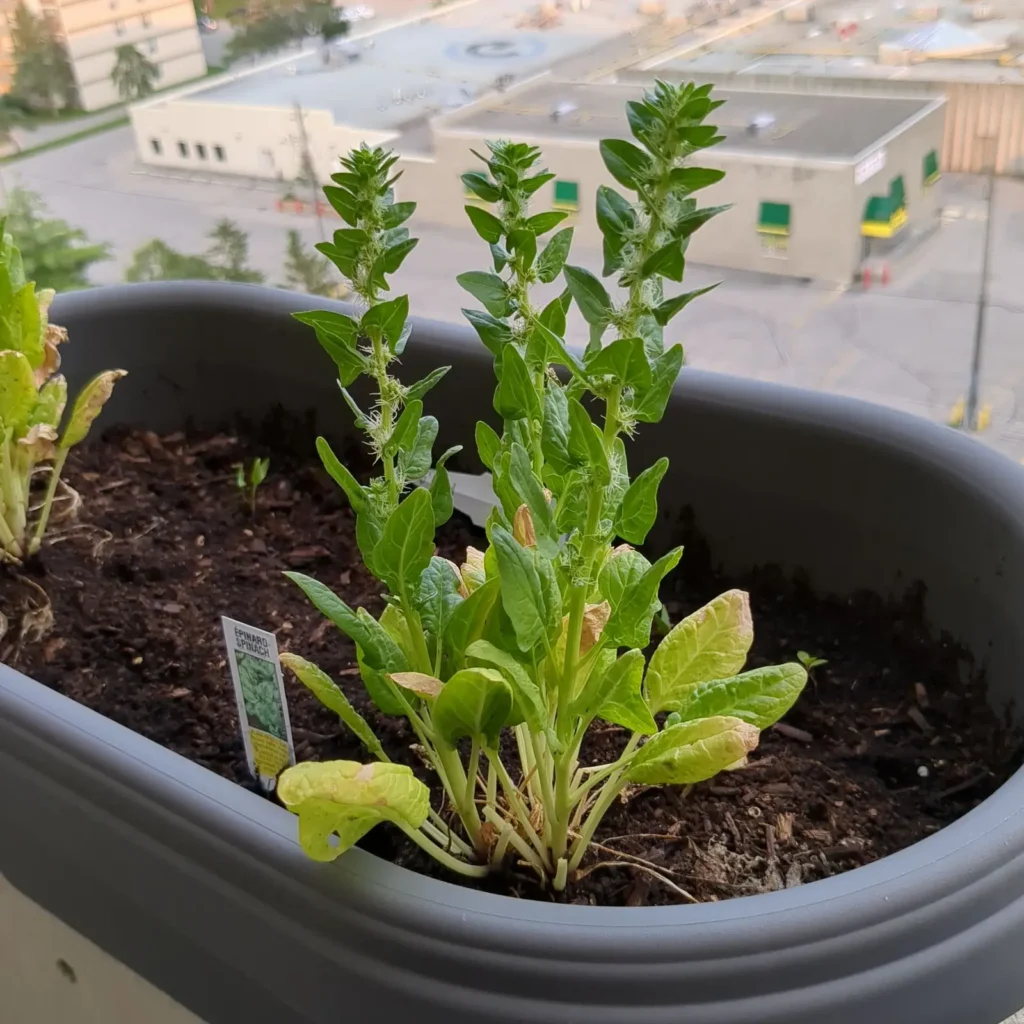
30 138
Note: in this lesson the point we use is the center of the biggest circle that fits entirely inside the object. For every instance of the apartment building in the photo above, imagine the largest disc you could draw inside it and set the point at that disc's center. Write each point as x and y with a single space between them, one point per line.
7 8
164 31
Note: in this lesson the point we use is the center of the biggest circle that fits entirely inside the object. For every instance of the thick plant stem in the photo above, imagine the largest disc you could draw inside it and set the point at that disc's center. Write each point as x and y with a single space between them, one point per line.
51 490
509 834
544 765
591 543
11 547
635 305
528 317
604 800
15 495
469 797
516 805
442 856
388 408
457 785
565 766
439 825
419 641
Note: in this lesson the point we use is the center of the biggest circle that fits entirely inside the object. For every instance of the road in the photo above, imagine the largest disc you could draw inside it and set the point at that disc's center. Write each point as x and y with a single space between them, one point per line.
907 345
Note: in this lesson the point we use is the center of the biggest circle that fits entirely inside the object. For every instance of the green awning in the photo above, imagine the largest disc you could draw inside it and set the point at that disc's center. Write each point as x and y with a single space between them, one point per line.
879 210
897 192
567 194
774 218
931 167
883 217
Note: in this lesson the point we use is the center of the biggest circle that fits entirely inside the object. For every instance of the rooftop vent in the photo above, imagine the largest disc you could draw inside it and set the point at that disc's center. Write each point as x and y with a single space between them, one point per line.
563 108
761 124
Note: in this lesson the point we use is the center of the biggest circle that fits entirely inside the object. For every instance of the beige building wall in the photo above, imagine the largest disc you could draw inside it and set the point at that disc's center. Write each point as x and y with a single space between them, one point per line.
984 128
7 9
825 241
164 32
259 142
904 155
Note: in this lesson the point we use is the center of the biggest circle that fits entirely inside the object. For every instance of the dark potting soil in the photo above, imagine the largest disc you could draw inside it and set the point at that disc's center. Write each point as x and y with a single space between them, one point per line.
891 740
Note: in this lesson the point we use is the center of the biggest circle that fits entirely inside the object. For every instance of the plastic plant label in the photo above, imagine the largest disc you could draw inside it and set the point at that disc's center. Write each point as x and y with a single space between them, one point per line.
262 705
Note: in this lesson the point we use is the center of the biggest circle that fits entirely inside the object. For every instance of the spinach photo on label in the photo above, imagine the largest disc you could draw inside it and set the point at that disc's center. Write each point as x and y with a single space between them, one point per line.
260 693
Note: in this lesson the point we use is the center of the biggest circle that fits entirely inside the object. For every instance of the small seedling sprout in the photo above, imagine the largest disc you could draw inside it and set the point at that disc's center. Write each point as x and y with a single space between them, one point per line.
248 477
810 661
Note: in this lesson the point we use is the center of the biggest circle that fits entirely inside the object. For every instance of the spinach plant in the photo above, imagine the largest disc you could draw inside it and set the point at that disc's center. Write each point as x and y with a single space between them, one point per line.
503 663
32 398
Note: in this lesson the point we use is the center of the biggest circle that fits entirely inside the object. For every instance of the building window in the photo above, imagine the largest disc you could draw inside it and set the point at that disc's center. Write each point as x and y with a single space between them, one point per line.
931 167
183 149
218 152
146 21
154 144
151 45
774 219
119 28
200 151
567 195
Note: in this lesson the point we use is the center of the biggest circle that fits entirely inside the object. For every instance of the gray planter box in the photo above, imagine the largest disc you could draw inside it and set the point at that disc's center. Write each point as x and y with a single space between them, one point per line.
200 887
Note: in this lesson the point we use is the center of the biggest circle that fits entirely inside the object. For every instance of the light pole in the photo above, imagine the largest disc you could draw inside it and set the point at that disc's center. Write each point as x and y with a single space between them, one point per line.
971 406
310 169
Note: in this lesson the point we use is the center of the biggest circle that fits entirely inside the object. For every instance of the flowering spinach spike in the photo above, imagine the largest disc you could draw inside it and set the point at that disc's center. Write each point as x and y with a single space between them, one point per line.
32 399
543 634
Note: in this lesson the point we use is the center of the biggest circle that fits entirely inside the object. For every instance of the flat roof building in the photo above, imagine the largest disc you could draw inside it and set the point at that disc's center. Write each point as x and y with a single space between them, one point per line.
818 183
379 85
973 54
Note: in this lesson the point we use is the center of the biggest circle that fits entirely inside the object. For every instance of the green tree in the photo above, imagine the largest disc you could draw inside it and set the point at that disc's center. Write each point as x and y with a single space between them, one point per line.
334 28
54 254
42 76
12 115
263 35
229 253
225 259
270 27
133 75
157 261
306 271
